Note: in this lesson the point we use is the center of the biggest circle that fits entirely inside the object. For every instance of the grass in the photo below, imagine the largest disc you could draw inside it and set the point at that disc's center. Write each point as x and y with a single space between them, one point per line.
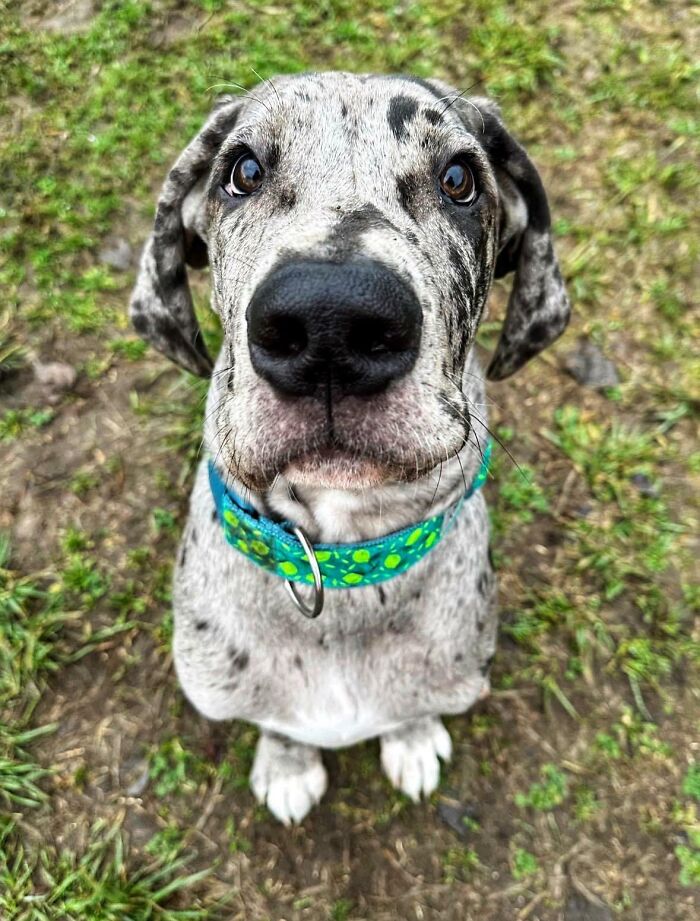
20 776
39 618
547 793
525 864
587 735
32 619
95 884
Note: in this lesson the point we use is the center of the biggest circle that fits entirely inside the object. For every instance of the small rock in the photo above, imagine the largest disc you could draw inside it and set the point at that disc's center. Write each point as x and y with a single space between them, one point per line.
55 378
645 486
118 254
581 908
589 367
458 816
136 775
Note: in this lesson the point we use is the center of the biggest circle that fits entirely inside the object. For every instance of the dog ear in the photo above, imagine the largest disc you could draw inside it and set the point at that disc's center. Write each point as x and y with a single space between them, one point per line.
538 308
161 306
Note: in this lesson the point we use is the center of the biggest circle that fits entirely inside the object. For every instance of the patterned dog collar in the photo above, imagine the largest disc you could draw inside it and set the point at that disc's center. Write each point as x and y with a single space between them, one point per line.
283 549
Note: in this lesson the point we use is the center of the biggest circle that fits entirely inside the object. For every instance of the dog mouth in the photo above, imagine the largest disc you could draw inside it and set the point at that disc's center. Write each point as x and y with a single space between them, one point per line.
337 467
363 445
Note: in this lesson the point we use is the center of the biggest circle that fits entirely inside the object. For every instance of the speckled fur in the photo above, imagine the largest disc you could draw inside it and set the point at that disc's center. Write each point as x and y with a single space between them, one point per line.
350 172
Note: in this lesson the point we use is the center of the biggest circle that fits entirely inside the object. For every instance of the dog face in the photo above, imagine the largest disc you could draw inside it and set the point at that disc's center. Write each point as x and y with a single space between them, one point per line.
353 225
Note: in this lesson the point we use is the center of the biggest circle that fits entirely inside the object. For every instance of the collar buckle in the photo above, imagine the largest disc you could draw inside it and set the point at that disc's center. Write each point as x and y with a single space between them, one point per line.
313 610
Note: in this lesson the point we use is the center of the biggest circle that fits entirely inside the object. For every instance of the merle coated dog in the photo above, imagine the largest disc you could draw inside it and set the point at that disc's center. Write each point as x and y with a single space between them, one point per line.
353 226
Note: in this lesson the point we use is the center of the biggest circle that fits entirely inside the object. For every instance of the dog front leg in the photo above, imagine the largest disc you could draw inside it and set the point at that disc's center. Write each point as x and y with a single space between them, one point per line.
287 776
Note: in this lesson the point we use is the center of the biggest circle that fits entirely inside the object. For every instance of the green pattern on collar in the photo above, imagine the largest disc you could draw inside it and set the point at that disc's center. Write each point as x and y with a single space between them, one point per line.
271 546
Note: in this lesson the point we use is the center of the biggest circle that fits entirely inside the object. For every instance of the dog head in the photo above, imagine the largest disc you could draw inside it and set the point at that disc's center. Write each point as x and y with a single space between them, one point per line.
353 225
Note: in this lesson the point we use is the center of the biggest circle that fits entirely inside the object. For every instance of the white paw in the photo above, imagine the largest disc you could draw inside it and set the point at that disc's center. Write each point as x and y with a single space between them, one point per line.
410 757
288 784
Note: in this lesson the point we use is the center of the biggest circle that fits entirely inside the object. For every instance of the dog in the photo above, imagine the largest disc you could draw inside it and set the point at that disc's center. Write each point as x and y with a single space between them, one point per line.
353 225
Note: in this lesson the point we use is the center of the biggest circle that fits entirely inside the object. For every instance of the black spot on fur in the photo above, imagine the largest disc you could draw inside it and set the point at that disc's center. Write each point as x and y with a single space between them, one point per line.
382 594
402 110
179 177
344 110
433 116
239 660
298 662
288 198
183 555
273 155
407 186
194 535
461 320
201 625
214 514
344 238
174 276
483 583
453 411
539 332
419 81
170 230
459 657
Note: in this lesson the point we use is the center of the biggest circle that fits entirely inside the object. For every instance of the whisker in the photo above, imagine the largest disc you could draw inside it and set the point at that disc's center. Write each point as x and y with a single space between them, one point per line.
461 467
457 96
501 444
272 85
437 485
246 92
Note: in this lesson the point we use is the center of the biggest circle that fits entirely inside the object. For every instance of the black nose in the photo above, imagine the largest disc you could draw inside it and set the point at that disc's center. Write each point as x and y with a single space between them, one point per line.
355 326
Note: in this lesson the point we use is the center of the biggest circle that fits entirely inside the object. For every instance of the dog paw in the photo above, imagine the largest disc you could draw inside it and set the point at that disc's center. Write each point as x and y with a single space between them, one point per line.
410 756
287 777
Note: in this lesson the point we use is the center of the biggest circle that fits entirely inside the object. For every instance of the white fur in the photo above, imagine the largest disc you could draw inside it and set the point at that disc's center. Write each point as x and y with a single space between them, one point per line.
410 758
288 793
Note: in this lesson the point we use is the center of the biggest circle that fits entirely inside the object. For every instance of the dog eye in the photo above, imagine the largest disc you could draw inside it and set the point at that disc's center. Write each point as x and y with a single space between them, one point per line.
457 182
246 176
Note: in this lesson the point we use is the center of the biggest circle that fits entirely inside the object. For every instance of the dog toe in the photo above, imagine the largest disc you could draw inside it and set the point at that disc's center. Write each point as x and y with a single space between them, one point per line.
288 778
410 757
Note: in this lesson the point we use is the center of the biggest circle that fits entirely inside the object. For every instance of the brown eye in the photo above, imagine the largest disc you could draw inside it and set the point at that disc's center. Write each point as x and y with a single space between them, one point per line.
246 176
457 182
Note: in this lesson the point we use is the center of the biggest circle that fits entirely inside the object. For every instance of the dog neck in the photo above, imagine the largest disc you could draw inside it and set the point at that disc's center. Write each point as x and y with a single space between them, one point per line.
346 515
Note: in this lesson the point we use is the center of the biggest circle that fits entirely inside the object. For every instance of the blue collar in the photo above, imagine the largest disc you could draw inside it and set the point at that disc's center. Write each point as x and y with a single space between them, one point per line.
284 550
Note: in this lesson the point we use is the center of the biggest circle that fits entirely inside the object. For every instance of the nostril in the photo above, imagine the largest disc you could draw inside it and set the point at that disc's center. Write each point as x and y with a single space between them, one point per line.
376 337
281 336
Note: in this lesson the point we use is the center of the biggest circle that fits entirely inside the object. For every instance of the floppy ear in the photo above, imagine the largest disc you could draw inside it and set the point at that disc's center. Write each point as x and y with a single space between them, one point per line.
538 308
161 306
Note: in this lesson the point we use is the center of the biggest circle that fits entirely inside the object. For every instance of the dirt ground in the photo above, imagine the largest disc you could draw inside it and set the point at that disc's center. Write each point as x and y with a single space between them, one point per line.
573 791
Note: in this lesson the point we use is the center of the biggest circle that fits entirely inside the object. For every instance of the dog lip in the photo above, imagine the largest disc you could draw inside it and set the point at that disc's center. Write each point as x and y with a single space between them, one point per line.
333 466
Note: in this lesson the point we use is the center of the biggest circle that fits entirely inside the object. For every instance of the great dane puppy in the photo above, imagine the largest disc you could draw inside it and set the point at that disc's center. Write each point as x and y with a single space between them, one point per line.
353 225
